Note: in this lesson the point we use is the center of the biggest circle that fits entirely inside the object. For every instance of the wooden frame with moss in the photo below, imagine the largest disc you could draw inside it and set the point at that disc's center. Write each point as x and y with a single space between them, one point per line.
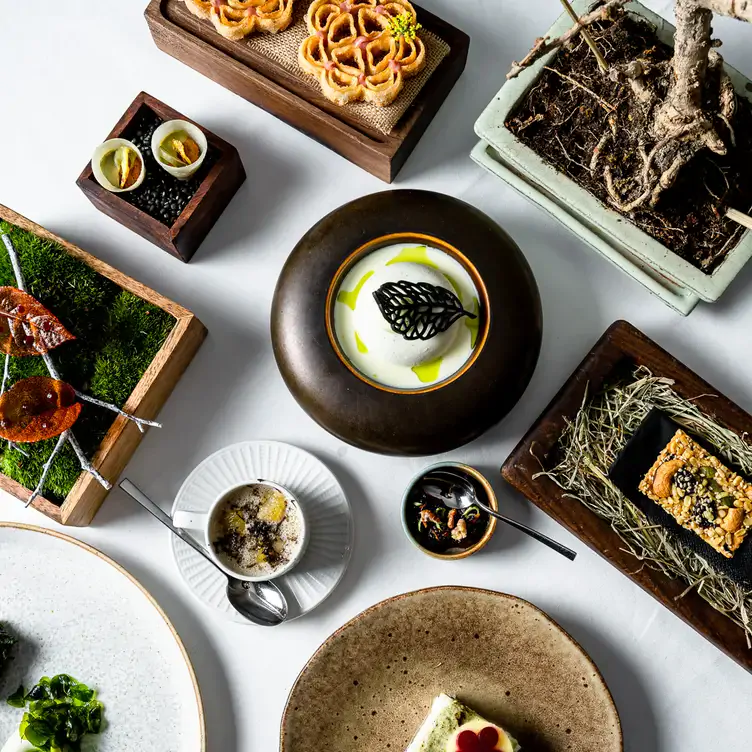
176 349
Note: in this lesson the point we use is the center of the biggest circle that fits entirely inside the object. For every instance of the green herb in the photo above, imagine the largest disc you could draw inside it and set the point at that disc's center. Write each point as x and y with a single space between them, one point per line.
7 641
707 471
61 711
404 26
726 501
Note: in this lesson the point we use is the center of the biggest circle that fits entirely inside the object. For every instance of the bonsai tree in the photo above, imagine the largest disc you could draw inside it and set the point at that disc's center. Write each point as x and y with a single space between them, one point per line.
678 108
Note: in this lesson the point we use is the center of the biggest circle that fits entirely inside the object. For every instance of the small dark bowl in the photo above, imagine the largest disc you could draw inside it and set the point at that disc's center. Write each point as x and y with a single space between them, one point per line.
481 484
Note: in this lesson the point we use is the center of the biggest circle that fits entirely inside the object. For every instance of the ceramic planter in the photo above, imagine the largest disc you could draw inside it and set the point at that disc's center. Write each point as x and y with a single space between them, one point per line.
678 283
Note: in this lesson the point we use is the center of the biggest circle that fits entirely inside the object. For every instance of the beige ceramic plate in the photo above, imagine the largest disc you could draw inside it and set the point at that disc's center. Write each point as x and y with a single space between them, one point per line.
371 684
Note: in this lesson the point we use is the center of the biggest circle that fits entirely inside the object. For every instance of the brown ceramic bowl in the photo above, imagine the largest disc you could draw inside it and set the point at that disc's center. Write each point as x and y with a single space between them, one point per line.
479 480
444 415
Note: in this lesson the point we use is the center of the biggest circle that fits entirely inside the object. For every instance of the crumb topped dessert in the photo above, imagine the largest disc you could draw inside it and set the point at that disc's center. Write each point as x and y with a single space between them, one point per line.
701 494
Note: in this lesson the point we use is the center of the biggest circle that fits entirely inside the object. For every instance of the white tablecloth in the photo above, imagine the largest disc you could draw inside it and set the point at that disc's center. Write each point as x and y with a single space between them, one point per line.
68 72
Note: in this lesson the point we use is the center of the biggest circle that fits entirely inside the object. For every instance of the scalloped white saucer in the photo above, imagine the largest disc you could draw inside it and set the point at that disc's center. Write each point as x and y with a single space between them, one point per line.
324 504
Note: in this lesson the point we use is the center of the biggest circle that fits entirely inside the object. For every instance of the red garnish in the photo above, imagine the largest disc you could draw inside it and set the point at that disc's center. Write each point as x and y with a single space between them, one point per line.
362 79
360 42
395 66
252 11
484 741
329 65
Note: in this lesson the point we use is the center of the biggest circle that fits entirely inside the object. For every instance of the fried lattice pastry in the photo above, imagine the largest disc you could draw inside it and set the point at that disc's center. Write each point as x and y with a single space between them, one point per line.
362 51
236 19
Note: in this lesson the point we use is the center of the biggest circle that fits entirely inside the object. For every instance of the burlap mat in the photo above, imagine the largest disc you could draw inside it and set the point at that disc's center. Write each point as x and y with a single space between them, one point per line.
283 49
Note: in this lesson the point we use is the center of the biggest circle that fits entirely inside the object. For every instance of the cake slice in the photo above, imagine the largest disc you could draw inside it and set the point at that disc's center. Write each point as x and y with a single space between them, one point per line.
453 727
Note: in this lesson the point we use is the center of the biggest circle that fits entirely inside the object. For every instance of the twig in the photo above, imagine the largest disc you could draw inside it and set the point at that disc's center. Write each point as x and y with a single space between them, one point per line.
603 103
11 445
743 219
85 464
47 465
602 64
543 45
140 422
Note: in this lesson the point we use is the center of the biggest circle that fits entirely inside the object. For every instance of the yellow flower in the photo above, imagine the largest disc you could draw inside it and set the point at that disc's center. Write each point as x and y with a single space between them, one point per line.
404 26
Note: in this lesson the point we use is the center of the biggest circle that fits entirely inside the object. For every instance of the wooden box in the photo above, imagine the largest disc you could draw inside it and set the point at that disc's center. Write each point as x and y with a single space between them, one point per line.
219 185
145 401
267 84
623 345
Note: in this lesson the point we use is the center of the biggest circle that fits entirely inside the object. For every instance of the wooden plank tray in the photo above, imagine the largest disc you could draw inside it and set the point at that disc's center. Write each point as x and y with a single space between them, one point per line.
624 345
219 185
146 400
267 84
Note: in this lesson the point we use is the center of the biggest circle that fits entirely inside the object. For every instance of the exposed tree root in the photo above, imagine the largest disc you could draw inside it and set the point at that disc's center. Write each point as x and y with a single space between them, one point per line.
670 105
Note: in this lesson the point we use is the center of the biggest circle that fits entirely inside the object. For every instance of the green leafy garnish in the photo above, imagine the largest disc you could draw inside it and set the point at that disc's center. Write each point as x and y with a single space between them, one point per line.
18 698
404 26
61 711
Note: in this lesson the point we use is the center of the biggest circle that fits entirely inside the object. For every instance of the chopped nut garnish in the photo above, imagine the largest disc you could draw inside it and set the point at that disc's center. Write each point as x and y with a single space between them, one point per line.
452 519
663 476
733 520
427 516
460 531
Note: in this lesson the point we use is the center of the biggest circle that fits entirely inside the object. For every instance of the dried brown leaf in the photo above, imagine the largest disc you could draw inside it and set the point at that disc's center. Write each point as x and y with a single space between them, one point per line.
37 408
26 326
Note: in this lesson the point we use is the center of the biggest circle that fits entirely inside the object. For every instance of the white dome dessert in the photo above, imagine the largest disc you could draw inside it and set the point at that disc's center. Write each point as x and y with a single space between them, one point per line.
374 330
366 338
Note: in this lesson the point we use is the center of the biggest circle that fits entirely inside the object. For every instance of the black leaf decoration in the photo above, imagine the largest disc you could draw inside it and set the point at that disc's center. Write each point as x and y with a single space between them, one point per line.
419 310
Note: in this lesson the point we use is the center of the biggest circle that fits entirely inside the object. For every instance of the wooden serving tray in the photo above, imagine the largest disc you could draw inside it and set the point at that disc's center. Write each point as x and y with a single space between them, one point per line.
622 346
217 188
267 84
145 401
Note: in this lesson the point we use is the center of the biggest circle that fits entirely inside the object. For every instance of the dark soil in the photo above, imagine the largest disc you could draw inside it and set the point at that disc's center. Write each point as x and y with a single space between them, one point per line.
564 123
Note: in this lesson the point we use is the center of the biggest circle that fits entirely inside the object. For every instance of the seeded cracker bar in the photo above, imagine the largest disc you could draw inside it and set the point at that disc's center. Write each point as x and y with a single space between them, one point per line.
701 494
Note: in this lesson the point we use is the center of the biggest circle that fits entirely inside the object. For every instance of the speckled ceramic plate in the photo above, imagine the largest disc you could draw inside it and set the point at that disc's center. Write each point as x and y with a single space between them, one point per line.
321 497
370 685
76 611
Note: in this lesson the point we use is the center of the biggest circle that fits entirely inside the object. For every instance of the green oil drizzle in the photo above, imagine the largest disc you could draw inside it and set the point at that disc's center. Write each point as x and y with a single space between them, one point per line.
419 255
428 372
473 324
351 298
416 255
360 344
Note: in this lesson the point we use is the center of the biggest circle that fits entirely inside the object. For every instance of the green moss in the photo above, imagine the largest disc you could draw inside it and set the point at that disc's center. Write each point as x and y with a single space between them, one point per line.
117 337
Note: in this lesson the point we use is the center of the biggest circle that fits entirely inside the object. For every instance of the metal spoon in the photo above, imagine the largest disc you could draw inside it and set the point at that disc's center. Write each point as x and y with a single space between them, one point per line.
457 492
262 603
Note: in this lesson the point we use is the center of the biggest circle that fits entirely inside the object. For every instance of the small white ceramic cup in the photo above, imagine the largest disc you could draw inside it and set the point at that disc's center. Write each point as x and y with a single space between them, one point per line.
172 126
202 521
106 148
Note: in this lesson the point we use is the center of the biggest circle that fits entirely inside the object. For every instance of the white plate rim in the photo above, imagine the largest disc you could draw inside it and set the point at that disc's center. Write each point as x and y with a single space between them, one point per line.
210 457
149 597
